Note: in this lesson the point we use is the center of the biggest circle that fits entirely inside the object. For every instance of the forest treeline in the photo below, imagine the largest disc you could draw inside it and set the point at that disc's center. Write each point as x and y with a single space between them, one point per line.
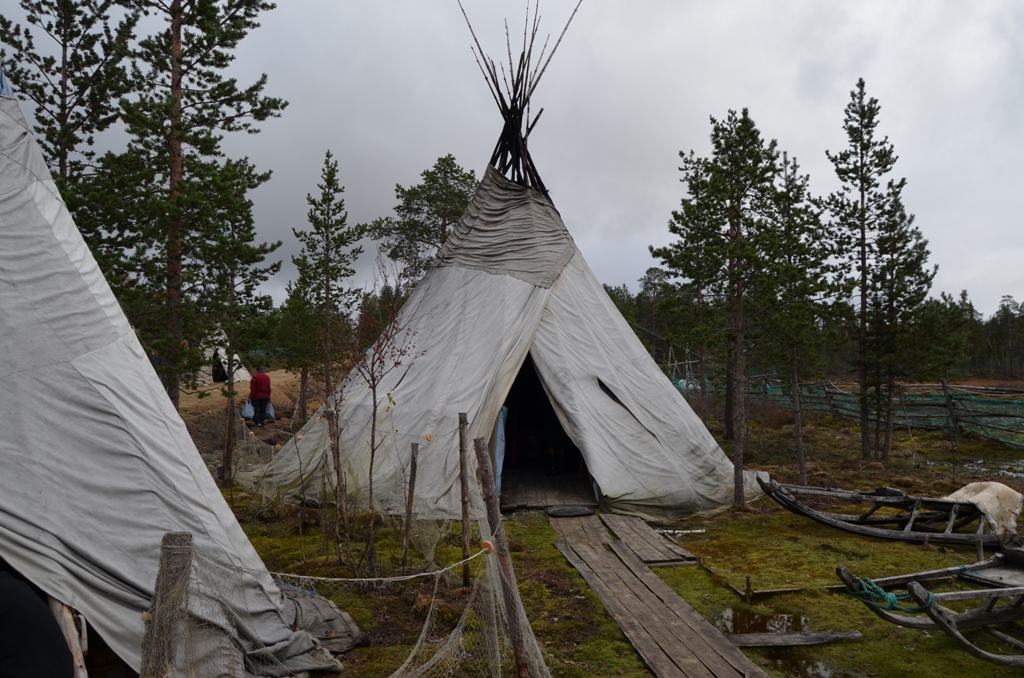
763 277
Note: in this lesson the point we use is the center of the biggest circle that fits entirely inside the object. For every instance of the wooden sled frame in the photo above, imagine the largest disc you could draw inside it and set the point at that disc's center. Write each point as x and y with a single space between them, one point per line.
920 520
987 615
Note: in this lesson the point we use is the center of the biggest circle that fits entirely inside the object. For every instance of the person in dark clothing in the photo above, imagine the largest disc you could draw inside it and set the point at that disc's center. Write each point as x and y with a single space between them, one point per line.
31 643
259 394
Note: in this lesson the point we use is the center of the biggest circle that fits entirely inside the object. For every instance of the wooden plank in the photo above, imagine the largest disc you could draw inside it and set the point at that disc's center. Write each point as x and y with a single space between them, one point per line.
682 609
596 533
649 545
641 640
653 620
569 530
694 645
793 638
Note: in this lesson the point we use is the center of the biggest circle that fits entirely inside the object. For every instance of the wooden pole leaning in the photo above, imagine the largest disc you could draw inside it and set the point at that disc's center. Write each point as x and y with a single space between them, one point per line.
464 482
166 610
66 622
486 477
408 504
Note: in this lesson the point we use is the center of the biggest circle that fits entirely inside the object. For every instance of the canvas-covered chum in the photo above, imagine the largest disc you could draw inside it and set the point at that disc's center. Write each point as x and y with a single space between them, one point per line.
510 282
95 464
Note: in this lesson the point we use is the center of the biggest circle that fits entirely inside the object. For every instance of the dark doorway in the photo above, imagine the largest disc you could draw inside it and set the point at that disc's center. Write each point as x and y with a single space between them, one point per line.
542 465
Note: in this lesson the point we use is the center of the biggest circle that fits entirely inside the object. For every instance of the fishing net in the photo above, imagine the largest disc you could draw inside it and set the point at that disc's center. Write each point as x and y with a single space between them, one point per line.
480 630
988 412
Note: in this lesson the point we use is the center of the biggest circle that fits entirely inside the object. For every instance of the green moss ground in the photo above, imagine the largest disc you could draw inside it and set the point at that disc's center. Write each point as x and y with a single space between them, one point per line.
775 548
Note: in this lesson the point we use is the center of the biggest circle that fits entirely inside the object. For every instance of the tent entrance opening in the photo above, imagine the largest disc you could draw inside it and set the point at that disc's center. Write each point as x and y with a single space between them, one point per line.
542 466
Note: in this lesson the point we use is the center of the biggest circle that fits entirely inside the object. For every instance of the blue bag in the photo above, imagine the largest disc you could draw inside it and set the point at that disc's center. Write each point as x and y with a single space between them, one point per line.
248 411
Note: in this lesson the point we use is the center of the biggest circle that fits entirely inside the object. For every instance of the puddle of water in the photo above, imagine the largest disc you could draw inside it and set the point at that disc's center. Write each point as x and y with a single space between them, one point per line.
788 661
746 620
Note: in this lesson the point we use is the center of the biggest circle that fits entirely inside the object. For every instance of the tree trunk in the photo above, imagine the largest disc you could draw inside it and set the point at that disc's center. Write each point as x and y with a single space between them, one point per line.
228 462
303 388
729 394
371 547
865 434
175 327
702 375
797 416
739 499
889 414
954 424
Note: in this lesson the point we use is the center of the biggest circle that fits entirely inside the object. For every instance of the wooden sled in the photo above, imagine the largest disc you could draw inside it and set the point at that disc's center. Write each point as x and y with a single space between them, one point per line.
914 519
999 578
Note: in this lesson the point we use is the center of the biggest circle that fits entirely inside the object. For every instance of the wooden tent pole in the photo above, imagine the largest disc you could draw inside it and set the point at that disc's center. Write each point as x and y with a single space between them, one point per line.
464 482
66 622
486 477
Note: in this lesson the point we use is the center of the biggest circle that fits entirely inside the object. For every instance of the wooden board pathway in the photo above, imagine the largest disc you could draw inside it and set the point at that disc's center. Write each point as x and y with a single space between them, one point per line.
674 640
651 547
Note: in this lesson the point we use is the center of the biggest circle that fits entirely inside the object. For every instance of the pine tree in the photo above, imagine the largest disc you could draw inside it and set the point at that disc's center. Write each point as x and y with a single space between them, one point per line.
424 216
325 266
76 83
152 200
859 208
742 169
237 268
797 283
698 259
899 283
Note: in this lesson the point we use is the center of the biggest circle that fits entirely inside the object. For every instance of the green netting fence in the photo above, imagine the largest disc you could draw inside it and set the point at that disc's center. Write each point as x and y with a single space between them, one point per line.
994 413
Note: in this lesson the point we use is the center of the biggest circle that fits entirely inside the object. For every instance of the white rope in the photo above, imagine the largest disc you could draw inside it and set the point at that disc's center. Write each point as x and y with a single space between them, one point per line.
383 580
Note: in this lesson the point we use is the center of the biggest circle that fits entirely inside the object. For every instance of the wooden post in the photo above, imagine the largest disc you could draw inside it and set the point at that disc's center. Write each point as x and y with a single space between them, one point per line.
464 481
66 622
165 612
408 504
486 477
228 460
954 425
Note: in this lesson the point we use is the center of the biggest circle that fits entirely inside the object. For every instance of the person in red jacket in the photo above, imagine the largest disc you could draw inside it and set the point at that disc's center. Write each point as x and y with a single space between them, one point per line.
259 394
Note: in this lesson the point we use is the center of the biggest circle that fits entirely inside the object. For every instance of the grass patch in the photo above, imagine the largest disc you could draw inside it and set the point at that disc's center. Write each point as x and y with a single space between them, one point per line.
775 548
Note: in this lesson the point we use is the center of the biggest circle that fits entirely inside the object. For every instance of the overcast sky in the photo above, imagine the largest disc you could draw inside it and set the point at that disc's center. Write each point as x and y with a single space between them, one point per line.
391 86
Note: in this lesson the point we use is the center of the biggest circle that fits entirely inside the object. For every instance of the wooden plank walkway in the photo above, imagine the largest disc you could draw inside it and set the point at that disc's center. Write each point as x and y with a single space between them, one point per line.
533 490
651 547
674 640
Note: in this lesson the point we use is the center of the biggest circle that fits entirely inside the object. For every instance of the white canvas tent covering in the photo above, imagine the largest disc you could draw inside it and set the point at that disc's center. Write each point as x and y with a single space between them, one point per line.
510 281
95 464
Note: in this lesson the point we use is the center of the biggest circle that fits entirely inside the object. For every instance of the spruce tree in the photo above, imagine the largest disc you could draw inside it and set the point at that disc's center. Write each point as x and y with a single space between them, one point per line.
859 208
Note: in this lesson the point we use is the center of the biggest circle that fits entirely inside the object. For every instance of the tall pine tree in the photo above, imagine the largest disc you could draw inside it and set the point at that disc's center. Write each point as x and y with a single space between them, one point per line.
859 208
152 200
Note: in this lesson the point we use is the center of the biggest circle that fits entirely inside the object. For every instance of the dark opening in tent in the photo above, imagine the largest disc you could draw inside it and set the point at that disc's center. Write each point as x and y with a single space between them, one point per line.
541 464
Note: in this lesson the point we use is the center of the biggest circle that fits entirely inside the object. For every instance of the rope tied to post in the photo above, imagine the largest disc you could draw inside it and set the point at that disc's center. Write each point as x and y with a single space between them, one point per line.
872 594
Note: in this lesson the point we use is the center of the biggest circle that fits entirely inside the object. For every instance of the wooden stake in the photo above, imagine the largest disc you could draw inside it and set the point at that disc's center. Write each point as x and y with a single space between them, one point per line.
486 477
464 481
408 505
165 611
66 622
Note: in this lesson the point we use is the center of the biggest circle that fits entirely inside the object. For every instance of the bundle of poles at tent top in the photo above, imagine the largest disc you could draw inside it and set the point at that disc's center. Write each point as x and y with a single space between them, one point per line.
511 156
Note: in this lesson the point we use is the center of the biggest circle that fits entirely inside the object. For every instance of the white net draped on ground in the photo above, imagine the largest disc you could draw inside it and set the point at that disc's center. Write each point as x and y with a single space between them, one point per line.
211 619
